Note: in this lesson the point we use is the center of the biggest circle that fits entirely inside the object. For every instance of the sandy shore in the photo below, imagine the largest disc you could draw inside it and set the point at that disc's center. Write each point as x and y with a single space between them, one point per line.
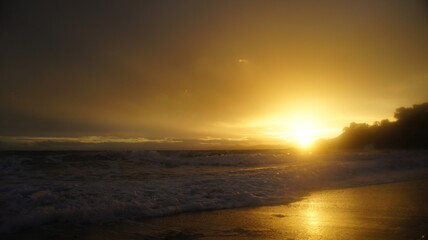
387 211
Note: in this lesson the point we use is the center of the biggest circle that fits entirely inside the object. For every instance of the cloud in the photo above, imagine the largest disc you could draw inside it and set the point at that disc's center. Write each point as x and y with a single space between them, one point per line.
142 71
86 139
242 60
208 138
95 143
235 139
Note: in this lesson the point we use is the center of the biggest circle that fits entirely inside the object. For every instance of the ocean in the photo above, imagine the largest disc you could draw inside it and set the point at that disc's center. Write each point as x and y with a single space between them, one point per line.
84 188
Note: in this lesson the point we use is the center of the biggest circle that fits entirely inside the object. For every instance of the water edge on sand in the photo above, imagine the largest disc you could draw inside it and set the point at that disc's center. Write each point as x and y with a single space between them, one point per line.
385 211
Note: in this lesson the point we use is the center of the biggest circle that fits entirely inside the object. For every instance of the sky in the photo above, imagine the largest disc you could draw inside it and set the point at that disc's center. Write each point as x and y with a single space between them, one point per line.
208 74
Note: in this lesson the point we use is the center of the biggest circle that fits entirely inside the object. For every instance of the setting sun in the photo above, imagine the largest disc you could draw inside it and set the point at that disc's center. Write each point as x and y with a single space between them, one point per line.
300 129
304 137
303 131
145 119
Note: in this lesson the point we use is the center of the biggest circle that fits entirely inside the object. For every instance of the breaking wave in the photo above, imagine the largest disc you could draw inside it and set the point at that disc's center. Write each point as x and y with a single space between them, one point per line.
97 187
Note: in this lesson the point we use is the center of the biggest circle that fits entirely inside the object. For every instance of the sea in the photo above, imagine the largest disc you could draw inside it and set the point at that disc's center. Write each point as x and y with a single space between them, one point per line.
96 187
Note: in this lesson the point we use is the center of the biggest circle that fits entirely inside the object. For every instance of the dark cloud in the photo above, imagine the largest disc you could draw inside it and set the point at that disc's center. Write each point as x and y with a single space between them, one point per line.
159 69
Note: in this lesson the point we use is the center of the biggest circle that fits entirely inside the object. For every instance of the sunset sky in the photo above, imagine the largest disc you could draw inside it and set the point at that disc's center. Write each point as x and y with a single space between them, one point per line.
204 74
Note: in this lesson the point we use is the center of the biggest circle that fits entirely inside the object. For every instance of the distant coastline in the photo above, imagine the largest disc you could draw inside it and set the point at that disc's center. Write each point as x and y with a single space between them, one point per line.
409 131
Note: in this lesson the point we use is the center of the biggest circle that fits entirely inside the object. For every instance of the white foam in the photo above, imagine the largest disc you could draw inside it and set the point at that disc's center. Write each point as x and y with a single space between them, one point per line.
107 186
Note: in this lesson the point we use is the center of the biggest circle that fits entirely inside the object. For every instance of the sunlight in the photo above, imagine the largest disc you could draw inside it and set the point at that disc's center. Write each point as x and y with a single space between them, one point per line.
304 138
299 129
303 132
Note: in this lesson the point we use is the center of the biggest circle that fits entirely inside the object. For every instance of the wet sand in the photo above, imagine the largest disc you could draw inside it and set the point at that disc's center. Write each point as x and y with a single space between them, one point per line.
387 211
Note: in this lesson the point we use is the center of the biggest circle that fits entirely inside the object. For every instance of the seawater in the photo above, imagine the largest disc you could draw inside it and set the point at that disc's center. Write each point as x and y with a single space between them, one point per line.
40 188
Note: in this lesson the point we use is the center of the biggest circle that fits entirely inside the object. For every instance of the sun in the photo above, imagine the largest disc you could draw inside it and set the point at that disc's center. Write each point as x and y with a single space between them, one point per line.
303 137
300 130
303 132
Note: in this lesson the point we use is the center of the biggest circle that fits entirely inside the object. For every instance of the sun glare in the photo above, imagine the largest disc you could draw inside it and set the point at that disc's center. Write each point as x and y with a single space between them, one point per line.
300 129
303 132
304 138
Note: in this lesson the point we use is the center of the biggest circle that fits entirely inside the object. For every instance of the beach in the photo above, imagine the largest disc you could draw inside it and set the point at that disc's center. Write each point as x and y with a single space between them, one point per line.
214 120
384 211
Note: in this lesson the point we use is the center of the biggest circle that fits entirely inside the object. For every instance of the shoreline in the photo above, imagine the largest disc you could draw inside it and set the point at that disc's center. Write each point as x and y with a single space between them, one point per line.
381 211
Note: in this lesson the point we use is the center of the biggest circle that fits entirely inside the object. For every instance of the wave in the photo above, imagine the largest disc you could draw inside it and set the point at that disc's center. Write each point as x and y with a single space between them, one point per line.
99 187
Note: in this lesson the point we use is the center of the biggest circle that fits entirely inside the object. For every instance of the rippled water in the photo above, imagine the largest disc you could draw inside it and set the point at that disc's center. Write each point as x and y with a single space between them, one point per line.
97 187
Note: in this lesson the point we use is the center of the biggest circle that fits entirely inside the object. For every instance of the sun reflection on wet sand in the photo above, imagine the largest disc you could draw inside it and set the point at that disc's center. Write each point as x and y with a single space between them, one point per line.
314 217
322 216
390 211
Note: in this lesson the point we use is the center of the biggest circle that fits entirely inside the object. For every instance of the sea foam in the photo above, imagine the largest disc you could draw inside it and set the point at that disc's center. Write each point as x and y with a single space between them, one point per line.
98 187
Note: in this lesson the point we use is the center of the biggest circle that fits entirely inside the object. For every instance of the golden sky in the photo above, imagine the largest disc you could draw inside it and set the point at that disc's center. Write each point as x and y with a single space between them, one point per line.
206 74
